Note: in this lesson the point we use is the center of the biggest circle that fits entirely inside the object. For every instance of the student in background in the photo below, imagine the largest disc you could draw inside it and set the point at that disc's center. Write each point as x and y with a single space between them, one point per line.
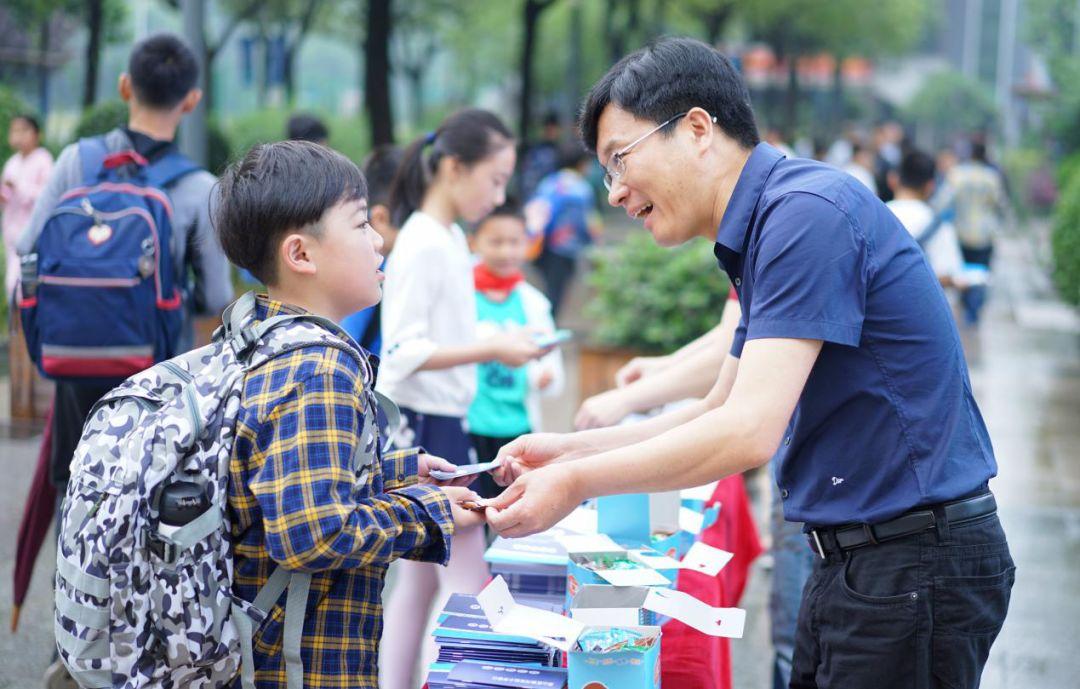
913 185
507 402
24 176
565 207
430 344
303 127
379 168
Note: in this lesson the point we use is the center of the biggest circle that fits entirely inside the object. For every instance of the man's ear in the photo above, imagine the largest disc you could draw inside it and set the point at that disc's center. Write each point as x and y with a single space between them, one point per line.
123 87
296 256
701 127
191 100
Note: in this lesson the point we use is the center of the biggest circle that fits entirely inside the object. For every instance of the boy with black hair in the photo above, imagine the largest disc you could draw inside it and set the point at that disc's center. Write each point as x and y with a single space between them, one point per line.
912 186
380 167
507 401
305 127
160 89
295 497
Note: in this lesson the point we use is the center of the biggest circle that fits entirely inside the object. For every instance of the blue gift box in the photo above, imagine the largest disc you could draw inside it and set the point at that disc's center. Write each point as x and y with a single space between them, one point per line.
622 669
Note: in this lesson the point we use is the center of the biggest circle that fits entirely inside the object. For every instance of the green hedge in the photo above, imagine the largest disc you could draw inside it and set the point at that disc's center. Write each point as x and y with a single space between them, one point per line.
655 299
1066 239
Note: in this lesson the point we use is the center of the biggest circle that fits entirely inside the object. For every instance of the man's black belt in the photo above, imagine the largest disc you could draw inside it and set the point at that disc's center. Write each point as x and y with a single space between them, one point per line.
826 540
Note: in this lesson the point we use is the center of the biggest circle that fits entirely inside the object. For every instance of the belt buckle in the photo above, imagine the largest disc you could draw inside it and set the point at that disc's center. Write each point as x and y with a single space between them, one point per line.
817 548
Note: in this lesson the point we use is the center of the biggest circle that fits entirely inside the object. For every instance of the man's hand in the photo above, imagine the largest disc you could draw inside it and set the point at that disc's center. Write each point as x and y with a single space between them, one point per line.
603 410
639 367
536 501
533 451
463 518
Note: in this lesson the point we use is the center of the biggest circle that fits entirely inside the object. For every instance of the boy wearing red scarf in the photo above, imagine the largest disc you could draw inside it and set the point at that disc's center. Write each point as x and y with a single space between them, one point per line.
507 400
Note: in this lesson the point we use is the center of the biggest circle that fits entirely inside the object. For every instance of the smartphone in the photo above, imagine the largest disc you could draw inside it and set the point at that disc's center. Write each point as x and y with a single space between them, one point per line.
554 339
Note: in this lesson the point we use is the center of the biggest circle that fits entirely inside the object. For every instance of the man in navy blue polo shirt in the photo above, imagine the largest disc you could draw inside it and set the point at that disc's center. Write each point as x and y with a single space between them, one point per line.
847 366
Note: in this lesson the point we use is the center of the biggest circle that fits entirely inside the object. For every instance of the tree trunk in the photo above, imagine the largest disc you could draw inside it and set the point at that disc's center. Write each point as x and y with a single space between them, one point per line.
44 68
574 64
791 99
94 11
415 75
533 8
377 72
289 73
838 95
715 22
612 33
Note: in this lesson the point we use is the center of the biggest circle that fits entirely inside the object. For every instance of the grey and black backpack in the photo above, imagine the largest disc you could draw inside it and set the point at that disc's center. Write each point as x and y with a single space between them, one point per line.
140 603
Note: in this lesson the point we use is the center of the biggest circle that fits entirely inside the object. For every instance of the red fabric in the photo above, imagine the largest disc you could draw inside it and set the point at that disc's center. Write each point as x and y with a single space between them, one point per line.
106 367
688 658
37 516
487 281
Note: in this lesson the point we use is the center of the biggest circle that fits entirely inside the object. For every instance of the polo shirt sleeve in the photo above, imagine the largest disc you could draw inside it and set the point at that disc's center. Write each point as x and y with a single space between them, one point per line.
809 274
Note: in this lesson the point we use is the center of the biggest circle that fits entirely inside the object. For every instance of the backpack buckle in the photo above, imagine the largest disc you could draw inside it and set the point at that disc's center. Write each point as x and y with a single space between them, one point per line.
243 341
166 550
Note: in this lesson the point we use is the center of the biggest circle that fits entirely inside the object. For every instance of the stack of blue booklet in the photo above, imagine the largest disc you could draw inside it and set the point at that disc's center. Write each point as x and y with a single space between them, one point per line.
534 568
479 675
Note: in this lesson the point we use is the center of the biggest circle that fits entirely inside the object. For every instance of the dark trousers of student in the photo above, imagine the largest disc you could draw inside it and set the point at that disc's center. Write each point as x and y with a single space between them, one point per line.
918 612
557 271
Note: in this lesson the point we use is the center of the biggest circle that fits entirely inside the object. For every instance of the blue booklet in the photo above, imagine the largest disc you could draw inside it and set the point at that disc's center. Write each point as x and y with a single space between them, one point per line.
507 675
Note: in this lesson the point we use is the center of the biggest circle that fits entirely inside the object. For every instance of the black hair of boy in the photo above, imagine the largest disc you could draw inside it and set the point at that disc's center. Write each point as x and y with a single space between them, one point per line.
917 169
571 155
510 208
380 168
469 135
667 78
30 120
163 71
306 128
260 201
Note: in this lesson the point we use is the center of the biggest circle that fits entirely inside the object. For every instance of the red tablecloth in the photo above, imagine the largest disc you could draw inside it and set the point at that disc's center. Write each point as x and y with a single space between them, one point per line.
688 658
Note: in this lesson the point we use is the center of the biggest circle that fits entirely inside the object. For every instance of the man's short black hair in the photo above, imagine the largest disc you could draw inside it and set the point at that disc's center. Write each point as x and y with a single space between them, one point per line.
260 201
667 78
306 128
163 70
917 169
380 167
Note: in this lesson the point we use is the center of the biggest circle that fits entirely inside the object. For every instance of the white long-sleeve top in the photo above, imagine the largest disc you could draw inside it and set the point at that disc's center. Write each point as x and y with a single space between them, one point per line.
428 303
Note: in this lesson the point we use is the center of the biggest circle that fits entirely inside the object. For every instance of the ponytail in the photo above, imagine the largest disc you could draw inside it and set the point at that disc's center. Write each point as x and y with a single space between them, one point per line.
469 135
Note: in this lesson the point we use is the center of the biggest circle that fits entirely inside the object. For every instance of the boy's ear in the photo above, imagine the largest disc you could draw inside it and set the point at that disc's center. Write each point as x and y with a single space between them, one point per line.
190 100
123 87
379 215
295 255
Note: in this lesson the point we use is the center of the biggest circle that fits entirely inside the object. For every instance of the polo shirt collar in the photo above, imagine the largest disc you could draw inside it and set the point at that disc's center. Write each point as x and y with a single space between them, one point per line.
744 199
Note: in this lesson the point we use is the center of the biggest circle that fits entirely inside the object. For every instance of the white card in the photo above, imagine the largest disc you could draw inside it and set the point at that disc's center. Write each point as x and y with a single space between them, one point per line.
466 470
581 520
728 622
507 617
633 577
691 521
589 543
700 492
706 559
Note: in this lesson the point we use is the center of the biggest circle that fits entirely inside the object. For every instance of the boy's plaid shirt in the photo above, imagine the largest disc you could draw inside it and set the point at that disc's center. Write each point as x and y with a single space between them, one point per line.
297 501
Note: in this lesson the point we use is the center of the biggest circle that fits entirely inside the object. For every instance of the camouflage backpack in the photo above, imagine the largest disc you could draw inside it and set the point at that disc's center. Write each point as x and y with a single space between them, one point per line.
135 608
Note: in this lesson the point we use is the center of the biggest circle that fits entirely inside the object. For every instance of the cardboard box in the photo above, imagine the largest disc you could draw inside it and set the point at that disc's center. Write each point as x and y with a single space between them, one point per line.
582 570
633 519
612 605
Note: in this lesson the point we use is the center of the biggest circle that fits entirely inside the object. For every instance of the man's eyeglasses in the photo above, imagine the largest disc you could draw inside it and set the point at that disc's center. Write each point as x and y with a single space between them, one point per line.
616 166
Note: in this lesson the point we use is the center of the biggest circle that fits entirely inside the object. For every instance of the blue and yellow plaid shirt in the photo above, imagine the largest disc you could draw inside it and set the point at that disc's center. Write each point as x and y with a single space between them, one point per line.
297 501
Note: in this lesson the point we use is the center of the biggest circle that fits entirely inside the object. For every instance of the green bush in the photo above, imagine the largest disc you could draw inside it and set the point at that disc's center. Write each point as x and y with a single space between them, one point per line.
349 135
1066 240
655 299
101 118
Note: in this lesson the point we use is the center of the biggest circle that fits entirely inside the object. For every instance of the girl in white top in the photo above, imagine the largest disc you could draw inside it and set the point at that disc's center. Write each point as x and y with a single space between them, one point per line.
430 348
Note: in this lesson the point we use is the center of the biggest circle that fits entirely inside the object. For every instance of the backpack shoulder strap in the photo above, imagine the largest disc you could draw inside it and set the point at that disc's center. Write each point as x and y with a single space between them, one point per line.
92 154
935 225
169 168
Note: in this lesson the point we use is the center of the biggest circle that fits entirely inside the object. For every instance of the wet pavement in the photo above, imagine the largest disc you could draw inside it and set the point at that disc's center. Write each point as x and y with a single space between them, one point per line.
1025 365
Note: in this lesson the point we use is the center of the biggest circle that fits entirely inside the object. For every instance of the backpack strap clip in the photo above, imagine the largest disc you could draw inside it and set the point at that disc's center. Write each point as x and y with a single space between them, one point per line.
166 550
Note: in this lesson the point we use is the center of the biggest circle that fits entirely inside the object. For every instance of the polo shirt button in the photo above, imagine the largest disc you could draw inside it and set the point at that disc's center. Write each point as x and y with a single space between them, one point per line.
787 440
401 477
784 494
738 282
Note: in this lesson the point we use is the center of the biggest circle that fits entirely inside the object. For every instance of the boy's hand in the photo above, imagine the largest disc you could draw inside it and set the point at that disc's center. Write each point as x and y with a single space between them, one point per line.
514 349
532 451
463 518
428 463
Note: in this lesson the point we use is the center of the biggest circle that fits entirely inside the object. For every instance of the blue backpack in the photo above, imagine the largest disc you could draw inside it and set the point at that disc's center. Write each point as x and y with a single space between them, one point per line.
100 299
